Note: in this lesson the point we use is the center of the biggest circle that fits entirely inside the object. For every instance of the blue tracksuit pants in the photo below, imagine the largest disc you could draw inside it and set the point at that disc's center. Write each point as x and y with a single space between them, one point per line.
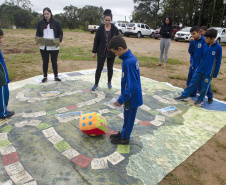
4 99
198 78
190 75
129 118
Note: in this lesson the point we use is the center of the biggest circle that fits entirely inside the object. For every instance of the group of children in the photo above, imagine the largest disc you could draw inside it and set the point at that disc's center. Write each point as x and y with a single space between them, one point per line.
205 59
206 56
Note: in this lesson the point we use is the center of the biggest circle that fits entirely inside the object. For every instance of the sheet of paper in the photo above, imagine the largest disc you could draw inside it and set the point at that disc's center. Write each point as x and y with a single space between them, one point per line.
156 123
100 163
115 158
21 124
14 168
160 118
55 139
21 178
49 132
3 136
7 150
70 153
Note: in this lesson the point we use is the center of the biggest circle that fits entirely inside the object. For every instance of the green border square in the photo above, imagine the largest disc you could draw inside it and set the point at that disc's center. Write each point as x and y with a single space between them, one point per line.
5 143
62 146
123 149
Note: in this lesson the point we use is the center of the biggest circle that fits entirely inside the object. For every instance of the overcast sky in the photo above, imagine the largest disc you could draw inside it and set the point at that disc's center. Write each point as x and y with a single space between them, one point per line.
119 8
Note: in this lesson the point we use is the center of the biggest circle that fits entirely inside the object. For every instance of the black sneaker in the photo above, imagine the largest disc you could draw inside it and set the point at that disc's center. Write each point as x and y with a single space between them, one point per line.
192 95
57 79
210 100
199 103
120 141
10 114
44 79
181 98
116 135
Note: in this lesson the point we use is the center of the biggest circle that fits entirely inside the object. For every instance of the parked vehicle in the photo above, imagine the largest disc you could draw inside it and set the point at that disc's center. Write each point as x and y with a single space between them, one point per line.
221 34
138 29
93 28
121 27
183 34
176 28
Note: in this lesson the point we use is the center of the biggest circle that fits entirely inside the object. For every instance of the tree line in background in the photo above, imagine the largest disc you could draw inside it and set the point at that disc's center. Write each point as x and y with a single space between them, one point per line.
184 12
19 14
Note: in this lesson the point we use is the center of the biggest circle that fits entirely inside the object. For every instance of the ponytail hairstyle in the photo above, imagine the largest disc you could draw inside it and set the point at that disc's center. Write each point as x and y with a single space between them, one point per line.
50 20
107 12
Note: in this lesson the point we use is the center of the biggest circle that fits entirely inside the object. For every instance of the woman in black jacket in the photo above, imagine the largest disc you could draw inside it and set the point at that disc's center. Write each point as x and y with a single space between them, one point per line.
103 35
166 32
49 28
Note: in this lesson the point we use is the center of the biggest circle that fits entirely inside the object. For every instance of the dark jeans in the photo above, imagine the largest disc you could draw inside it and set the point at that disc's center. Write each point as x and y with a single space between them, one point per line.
100 65
45 58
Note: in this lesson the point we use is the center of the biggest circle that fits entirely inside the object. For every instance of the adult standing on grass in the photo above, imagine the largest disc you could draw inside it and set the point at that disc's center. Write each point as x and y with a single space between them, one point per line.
103 35
49 28
166 32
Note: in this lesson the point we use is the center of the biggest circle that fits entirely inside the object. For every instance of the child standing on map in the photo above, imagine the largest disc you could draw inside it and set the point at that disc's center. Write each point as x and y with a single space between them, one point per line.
4 90
207 69
131 92
195 49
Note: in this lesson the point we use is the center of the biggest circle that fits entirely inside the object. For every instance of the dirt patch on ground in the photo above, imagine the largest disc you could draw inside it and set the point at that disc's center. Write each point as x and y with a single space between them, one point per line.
208 164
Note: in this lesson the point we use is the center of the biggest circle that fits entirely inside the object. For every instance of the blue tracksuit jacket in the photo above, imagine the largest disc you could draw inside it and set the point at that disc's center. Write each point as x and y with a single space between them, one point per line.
4 78
131 92
211 60
195 49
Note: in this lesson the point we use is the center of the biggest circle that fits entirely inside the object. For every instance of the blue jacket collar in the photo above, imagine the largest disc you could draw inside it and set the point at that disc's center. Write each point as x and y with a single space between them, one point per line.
202 37
213 44
126 54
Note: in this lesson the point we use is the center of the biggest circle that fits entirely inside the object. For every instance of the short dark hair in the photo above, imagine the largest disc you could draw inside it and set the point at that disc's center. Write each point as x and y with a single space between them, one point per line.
203 28
194 28
1 32
116 42
212 33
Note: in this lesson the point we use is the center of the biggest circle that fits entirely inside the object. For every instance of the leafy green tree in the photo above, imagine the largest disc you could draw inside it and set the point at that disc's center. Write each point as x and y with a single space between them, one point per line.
92 14
15 15
71 15
24 4
147 11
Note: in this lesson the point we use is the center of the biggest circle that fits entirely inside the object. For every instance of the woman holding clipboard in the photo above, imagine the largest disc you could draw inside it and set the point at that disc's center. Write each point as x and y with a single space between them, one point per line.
49 28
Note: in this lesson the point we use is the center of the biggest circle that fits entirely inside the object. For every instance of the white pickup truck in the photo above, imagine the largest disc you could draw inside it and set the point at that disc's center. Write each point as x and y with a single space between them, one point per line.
93 28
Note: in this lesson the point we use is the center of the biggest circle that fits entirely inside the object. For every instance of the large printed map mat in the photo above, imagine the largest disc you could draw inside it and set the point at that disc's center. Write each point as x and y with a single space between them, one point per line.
42 143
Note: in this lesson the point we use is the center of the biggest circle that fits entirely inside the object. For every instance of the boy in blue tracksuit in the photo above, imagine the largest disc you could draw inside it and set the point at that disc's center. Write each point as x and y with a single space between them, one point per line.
207 69
4 90
131 92
195 50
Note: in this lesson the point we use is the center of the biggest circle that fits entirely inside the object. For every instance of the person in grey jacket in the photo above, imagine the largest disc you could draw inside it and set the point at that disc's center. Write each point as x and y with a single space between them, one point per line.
103 35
